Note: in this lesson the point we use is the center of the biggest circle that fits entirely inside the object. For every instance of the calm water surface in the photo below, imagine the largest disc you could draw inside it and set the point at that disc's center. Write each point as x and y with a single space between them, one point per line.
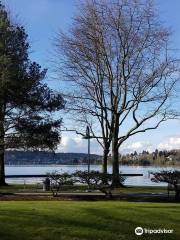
134 181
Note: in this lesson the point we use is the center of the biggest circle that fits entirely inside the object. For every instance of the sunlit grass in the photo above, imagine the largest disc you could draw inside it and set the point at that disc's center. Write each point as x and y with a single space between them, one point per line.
69 220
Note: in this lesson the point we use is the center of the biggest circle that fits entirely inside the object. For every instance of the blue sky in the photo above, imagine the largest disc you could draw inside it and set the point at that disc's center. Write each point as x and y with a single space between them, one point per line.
44 18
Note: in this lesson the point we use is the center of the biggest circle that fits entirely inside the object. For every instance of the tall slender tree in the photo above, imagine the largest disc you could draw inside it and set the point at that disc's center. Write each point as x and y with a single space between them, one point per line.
26 102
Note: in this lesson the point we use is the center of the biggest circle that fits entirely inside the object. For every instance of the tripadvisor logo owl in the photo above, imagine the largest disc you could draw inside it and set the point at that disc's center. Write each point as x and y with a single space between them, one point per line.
139 231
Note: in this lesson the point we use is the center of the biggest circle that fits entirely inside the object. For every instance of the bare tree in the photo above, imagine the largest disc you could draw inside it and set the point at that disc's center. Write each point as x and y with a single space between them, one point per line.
90 110
121 71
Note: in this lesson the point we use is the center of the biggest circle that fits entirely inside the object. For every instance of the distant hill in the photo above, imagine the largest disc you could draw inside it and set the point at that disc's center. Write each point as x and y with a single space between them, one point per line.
43 157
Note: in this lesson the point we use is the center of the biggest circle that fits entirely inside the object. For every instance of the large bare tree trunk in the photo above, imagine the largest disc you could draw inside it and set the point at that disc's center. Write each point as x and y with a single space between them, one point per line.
104 161
2 171
115 166
2 149
115 163
115 153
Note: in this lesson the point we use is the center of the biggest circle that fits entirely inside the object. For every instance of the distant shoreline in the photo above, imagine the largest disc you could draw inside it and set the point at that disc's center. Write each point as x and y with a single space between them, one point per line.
92 164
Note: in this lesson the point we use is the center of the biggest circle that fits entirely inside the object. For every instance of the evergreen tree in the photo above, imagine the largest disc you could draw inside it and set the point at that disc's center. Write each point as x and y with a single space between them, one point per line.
26 102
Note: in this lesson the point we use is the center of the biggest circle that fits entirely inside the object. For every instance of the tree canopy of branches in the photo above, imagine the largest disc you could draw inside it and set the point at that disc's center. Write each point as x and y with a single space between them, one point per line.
26 103
120 71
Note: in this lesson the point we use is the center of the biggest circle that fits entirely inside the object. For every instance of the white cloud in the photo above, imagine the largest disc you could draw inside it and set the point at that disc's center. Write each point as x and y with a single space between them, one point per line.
136 146
78 145
170 143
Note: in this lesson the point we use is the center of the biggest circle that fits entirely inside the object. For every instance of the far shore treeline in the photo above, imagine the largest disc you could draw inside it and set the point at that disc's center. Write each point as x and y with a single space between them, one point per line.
144 158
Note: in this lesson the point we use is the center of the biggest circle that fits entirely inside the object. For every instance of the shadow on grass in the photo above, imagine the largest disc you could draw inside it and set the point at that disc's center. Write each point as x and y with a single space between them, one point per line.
35 221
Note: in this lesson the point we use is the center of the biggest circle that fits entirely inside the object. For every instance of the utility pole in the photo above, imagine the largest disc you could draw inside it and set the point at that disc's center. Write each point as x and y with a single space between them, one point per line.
88 137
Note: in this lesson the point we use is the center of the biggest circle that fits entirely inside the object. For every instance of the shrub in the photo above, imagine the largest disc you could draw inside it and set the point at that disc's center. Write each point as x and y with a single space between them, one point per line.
94 180
97 181
57 181
171 177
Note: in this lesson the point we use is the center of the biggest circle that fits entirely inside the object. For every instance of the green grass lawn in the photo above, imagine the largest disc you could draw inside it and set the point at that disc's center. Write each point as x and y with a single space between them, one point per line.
62 220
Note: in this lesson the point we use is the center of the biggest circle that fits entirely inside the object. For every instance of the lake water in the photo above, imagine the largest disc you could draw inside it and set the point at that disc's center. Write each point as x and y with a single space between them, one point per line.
133 181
